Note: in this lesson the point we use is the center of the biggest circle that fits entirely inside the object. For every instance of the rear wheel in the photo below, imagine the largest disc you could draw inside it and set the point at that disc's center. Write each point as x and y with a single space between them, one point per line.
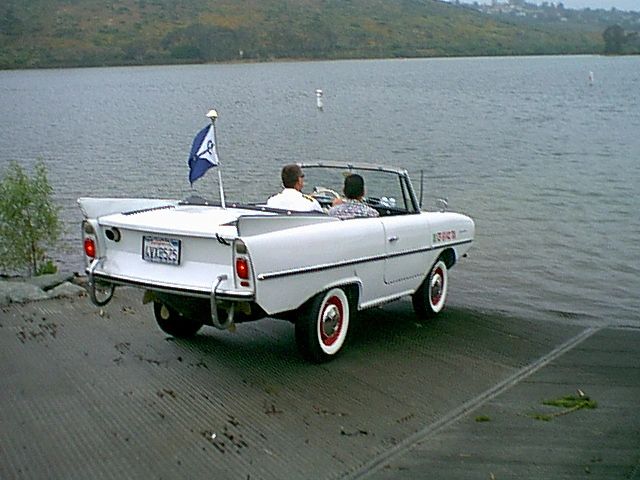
431 296
173 322
322 329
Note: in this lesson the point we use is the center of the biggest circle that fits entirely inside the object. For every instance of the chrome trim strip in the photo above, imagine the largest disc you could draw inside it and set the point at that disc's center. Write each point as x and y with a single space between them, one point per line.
318 268
388 299
354 166
345 263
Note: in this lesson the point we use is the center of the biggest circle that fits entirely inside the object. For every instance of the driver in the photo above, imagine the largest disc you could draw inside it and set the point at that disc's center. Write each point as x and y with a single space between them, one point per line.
291 197
352 206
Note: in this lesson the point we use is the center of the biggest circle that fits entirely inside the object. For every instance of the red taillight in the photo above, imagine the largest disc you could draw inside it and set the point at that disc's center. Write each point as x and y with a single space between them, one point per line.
242 268
90 247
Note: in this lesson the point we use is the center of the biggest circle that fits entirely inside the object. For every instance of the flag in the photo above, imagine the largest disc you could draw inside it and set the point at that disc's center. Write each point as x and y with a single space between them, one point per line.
204 154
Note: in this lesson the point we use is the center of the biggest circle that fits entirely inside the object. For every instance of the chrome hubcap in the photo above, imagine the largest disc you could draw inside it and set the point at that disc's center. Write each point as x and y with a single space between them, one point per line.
165 313
330 320
436 288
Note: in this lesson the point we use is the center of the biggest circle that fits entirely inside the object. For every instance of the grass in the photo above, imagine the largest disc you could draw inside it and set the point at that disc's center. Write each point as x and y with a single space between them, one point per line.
569 403
572 402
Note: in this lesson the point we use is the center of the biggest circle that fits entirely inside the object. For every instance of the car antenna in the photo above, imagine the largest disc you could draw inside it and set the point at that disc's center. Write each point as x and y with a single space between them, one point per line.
421 186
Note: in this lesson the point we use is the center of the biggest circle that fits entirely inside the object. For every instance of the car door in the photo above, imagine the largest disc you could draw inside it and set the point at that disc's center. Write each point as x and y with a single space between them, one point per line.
407 247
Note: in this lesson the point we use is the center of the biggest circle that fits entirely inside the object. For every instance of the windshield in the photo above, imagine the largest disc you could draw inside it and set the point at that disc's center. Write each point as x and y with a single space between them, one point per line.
382 188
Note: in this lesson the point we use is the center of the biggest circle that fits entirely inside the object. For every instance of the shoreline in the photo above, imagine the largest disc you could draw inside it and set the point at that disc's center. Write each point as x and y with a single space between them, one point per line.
314 60
20 289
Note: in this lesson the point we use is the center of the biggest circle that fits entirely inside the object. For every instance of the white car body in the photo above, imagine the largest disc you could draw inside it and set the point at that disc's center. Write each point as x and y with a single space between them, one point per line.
287 260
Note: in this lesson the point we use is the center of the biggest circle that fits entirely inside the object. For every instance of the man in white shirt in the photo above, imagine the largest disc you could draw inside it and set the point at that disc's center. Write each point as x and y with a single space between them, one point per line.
292 198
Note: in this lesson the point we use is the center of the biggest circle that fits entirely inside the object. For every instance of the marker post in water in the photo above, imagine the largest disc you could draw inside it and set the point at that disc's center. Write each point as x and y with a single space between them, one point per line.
319 99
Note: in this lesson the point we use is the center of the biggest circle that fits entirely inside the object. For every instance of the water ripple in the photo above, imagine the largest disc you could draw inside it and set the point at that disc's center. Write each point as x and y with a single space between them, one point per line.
545 164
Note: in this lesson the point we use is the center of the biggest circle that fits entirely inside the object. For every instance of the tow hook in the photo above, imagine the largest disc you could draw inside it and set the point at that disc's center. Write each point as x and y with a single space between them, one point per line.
104 290
215 318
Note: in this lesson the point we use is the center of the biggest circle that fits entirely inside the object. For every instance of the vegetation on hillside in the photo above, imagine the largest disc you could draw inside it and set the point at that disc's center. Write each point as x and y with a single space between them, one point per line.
617 41
44 33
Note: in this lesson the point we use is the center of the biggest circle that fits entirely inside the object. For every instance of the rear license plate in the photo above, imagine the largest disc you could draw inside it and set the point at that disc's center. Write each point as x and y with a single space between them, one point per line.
161 250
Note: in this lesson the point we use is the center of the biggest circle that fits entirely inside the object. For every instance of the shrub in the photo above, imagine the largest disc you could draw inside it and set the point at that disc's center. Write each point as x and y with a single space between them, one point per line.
47 267
28 220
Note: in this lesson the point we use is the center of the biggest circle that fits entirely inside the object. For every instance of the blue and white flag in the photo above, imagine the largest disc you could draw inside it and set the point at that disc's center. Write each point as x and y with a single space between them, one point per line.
204 154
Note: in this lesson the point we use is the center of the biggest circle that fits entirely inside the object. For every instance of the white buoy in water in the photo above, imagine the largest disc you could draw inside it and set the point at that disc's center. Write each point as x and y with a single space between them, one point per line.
319 99
590 78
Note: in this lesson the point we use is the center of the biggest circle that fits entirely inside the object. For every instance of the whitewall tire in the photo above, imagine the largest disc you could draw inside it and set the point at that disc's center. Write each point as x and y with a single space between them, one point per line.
322 329
431 296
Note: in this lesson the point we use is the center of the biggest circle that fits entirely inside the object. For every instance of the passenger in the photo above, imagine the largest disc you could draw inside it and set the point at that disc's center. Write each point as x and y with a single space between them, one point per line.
353 206
292 198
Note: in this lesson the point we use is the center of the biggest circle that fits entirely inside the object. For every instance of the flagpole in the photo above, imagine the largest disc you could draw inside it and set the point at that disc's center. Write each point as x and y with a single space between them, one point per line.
213 116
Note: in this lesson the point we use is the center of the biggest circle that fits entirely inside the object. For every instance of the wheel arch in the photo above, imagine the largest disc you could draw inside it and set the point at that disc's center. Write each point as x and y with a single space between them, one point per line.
449 257
353 292
351 286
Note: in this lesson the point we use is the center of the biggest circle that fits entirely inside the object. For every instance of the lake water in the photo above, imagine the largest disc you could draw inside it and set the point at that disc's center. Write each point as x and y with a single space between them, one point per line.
545 161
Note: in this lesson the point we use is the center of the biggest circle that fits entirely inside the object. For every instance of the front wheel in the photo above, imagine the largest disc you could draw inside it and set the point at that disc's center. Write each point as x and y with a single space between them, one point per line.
322 329
431 296
173 322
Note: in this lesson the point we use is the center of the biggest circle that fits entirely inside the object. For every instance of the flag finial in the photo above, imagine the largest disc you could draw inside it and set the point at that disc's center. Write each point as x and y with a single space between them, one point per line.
212 115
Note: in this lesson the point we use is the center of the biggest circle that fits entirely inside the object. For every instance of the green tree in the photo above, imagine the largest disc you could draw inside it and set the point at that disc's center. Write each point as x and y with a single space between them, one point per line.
28 219
614 39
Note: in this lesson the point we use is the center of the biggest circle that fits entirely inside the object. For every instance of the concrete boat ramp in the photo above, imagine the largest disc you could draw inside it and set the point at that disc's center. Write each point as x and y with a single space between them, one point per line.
91 393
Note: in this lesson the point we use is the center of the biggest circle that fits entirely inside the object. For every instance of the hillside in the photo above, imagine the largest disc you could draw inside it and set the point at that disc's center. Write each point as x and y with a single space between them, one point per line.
46 33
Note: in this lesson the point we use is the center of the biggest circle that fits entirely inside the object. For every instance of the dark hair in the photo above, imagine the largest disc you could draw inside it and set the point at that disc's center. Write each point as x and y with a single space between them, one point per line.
290 175
353 186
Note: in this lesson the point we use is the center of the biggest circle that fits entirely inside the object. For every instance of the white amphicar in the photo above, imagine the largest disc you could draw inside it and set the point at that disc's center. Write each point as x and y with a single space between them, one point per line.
220 263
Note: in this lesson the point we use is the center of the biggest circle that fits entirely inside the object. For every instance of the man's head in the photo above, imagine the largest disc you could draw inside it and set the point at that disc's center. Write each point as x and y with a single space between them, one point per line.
354 187
292 177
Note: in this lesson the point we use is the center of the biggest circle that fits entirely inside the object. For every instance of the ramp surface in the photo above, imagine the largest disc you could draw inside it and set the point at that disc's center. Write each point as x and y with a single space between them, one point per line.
90 393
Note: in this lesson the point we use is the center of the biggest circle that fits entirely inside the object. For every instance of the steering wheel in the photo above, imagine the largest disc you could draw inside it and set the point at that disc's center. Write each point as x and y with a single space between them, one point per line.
373 201
324 196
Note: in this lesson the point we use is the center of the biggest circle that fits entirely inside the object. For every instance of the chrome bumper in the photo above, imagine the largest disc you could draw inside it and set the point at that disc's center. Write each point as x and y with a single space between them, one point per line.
214 294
